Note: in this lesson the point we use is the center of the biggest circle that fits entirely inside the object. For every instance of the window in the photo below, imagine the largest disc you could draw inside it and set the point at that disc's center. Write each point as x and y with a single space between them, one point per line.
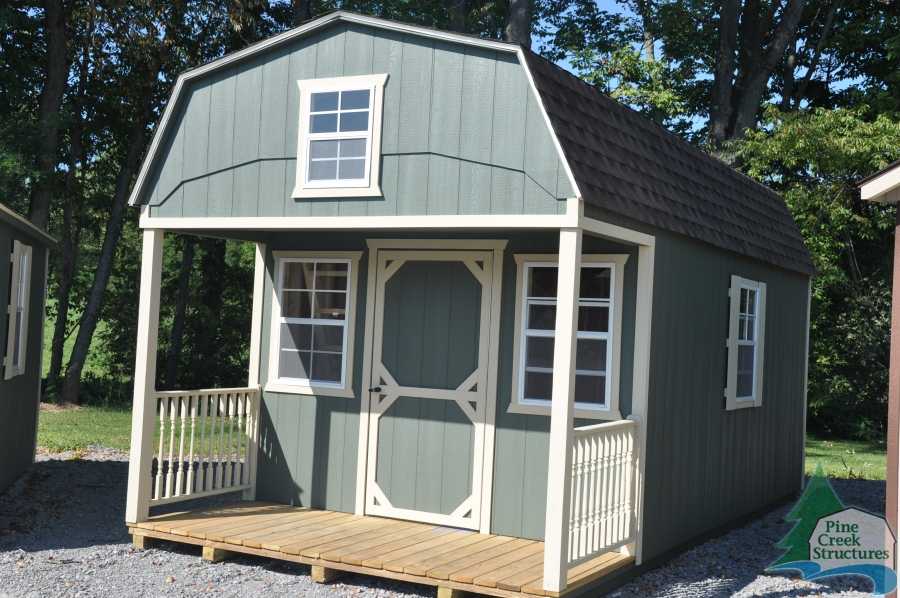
338 148
597 338
312 323
17 326
746 341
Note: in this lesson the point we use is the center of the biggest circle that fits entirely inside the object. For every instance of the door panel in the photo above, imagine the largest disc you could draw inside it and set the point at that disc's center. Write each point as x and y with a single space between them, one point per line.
429 361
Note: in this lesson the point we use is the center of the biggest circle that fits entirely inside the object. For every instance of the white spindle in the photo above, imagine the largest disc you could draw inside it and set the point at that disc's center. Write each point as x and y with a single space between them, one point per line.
161 406
192 465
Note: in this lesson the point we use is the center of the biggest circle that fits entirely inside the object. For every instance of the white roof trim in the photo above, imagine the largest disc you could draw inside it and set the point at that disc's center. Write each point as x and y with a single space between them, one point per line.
314 25
26 224
884 188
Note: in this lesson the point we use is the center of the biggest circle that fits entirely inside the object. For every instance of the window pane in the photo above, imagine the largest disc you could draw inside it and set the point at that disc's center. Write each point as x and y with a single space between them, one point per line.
352 169
326 367
538 352
541 317
323 171
590 354
542 282
355 121
17 343
745 385
751 302
351 100
323 149
324 101
292 364
595 283
328 338
296 304
538 385
296 336
330 306
751 325
353 148
593 318
297 275
745 358
590 390
331 276
323 123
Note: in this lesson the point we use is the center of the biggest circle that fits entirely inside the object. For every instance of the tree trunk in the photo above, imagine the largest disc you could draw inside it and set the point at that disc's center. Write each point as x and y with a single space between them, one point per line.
302 11
55 16
723 83
817 54
457 11
649 43
518 23
137 138
176 335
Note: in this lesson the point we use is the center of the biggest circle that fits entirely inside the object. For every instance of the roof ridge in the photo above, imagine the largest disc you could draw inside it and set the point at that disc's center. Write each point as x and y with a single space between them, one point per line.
644 119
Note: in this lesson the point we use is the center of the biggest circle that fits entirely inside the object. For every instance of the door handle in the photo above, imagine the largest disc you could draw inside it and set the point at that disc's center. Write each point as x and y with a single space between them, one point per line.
375 389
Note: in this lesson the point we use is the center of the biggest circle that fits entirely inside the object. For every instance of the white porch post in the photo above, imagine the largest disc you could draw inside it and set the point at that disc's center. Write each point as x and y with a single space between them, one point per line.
143 415
259 283
556 529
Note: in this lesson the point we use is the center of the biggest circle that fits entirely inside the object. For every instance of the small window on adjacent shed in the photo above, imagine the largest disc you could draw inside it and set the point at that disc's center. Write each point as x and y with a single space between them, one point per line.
312 323
339 143
746 342
17 321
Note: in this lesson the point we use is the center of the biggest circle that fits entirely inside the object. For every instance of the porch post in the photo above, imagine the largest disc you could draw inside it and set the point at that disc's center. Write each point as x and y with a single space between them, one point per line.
143 414
259 282
556 528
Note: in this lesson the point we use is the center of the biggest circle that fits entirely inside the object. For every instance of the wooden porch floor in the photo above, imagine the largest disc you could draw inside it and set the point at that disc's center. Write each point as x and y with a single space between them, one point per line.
414 552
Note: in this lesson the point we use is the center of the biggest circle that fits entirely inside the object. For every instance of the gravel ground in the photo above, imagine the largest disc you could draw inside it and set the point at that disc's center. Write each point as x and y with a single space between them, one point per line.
61 534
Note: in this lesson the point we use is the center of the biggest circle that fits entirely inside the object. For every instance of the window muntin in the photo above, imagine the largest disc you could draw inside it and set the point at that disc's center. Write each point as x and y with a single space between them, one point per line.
593 357
17 326
314 295
746 342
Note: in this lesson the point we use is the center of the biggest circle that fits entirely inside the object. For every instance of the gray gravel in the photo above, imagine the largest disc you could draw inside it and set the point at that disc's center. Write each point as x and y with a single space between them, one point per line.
61 534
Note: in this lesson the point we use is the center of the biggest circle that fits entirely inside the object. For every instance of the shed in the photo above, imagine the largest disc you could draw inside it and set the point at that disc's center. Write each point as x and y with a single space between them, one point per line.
508 336
24 251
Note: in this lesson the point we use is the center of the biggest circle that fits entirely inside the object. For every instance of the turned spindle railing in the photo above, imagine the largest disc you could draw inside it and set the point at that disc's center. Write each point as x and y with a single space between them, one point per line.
602 513
205 443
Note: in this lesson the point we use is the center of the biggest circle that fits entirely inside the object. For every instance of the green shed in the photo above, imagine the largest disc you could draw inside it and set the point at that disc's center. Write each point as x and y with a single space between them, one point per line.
508 336
24 251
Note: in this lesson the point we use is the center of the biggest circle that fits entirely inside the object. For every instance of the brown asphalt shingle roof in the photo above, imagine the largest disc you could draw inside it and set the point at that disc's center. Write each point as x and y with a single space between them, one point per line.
625 163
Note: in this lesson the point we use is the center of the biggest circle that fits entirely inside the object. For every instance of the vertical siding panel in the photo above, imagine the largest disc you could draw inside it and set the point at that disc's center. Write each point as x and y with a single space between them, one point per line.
332 470
309 447
196 124
474 188
388 58
248 102
476 118
275 89
443 185
534 487
415 97
272 187
507 191
221 146
358 51
563 186
446 100
541 161
509 476
390 181
412 184
330 54
302 65
536 199
170 175
510 101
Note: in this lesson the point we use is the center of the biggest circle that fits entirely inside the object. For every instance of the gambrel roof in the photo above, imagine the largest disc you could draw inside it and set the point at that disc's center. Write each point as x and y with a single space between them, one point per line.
613 157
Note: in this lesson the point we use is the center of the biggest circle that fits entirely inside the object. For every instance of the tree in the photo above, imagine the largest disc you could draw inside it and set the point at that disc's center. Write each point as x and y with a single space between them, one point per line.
818 500
518 22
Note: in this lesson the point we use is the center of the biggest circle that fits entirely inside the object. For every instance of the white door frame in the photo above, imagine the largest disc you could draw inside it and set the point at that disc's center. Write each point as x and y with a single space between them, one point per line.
489 347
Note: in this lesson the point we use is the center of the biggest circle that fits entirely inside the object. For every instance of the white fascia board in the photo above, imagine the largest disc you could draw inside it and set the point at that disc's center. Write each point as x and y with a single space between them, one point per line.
285 37
882 188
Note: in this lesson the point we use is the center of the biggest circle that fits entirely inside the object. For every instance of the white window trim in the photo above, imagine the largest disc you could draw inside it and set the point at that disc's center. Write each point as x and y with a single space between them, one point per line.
611 410
732 402
370 186
20 282
289 386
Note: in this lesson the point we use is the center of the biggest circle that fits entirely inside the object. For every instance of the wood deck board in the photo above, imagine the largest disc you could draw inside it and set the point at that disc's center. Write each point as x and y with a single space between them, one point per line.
415 552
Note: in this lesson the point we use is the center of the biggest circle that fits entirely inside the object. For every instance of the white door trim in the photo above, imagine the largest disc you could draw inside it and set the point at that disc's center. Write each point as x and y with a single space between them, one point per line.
491 350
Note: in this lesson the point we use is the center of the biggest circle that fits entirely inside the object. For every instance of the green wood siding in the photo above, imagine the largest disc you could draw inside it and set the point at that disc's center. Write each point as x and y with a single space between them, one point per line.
707 466
19 395
310 443
462 133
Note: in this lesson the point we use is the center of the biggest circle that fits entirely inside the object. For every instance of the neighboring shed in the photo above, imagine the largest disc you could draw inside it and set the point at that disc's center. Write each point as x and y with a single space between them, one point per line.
24 252
508 336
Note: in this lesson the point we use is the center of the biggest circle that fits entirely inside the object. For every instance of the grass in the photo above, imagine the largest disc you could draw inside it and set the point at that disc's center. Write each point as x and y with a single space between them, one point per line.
75 429
846 458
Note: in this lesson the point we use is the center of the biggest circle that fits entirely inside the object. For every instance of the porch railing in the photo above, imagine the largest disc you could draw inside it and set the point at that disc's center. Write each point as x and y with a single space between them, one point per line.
602 514
205 443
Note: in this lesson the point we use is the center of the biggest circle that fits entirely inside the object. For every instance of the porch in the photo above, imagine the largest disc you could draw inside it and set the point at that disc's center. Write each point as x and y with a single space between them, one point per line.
331 542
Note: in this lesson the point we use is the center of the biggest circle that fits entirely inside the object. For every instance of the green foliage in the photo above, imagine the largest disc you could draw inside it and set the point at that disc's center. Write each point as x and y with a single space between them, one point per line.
818 500
78 429
815 159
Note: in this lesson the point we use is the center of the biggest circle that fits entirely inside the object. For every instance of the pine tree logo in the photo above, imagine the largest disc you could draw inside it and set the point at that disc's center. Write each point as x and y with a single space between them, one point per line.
818 500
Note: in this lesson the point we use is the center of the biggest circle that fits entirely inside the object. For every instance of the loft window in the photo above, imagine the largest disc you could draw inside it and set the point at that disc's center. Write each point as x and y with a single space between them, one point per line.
312 323
17 319
339 139
597 337
746 341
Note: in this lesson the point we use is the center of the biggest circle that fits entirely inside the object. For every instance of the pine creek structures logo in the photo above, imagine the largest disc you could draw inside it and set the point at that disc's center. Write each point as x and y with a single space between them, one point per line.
830 539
